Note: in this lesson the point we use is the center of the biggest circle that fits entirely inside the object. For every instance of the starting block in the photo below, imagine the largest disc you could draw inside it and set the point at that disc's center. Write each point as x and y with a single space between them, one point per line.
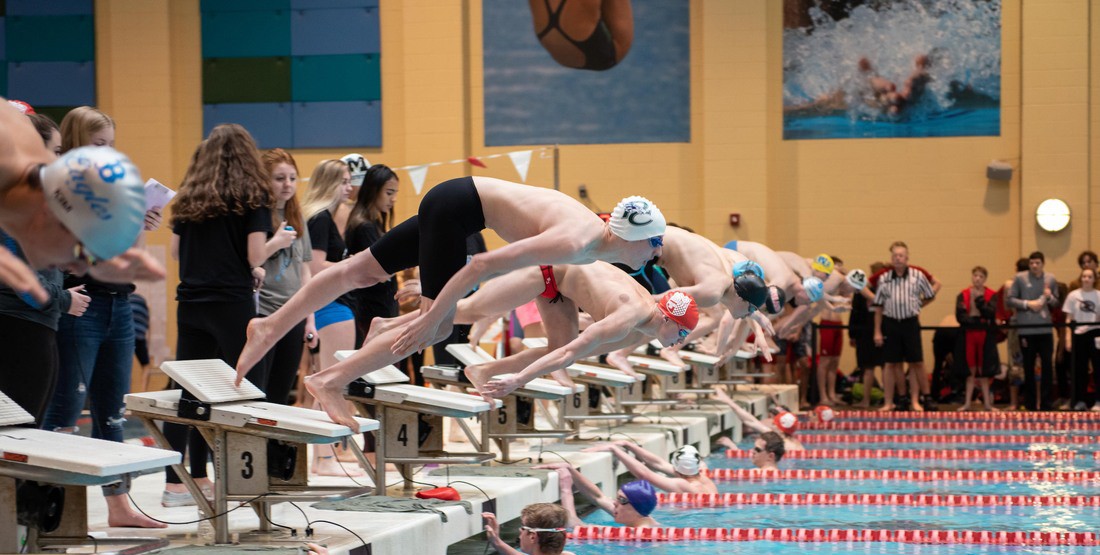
55 471
516 419
591 407
239 428
786 394
411 417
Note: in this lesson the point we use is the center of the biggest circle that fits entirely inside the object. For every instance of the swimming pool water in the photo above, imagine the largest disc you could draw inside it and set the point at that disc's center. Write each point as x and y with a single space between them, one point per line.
873 517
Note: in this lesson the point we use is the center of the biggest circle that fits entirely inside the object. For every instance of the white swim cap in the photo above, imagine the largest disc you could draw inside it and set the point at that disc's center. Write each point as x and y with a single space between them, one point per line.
857 279
686 460
357 166
635 219
98 195
815 289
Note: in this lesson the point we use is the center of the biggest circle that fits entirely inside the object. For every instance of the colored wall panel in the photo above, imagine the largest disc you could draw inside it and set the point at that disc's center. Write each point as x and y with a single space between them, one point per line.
246 34
227 80
3 39
50 39
337 124
38 83
49 7
320 4
336 78
269 123
334 31
243 5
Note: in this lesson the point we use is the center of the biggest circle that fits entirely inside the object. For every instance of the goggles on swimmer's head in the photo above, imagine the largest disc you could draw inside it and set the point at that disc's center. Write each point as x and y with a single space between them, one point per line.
657 241
558 530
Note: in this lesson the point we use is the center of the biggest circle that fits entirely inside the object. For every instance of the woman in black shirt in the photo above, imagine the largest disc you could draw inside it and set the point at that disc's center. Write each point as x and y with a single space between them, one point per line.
372 216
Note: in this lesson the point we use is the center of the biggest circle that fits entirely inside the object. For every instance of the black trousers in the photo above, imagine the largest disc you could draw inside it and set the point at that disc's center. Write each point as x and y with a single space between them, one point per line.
28 372
1039 346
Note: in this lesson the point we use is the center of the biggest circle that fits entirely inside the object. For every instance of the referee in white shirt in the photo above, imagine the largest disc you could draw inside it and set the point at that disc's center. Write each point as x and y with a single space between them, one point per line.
901 293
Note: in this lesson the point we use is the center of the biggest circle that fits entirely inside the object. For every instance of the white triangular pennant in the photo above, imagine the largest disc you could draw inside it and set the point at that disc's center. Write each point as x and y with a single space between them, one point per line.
417 174
522 160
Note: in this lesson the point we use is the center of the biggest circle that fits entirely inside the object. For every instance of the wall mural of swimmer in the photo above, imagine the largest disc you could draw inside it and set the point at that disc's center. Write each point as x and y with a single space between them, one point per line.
891 68
586 71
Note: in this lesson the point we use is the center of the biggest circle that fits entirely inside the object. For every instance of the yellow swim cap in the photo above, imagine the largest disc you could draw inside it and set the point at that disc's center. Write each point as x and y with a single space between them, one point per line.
823 263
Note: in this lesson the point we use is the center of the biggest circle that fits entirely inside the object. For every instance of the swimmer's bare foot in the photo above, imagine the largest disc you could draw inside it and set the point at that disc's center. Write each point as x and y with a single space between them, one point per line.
916 406
562 377
332 401
478 375
380 325
673 356
121 515
259 343
618 360
887 408
963 408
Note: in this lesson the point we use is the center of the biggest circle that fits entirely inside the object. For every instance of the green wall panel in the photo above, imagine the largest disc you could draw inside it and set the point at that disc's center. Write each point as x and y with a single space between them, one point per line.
68 38
228 80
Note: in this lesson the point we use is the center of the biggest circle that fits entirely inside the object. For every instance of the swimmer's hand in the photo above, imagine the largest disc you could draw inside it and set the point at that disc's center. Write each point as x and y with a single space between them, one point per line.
499 388
132 265
761 344
20 277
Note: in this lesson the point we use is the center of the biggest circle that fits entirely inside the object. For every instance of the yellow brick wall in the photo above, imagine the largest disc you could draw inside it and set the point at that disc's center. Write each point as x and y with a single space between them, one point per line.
847 197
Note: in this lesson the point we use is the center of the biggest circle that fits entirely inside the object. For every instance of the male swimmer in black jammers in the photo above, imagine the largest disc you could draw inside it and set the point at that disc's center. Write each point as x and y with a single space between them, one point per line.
542 226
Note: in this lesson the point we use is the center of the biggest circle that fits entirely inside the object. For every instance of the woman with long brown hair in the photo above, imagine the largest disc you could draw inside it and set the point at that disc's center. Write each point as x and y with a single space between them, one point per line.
221 220
371 217
287 270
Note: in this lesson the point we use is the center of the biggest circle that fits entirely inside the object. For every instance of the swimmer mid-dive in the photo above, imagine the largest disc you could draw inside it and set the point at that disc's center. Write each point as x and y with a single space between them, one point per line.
555 229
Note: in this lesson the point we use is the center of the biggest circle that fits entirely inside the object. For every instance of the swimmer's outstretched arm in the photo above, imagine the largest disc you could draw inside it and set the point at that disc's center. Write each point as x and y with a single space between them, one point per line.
607 331
747 419
547 247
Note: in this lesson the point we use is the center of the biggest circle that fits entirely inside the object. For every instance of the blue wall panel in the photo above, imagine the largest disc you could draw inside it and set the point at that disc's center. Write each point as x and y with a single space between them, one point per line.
269 123
321 4
66 38
336 78
256 34
3 40
243 5
50 7
334 31
337 124
38 83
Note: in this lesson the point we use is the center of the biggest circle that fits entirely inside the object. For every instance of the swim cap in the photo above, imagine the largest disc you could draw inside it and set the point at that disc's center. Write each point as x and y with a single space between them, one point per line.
824 414
635 218
99 196
686 460
357 166
775 300
857 279
748 266
680 308
23 107
641 496
823 263
815 289
786 422
751 288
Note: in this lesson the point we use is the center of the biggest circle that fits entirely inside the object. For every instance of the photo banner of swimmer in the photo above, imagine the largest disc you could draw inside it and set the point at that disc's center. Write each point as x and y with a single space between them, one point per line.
891 68
586 71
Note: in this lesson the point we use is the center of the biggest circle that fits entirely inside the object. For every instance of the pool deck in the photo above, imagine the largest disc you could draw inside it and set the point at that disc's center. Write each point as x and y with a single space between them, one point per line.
425 533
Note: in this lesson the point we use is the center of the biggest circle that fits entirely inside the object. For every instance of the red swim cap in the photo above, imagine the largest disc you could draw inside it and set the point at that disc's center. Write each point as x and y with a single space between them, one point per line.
680 308
787 423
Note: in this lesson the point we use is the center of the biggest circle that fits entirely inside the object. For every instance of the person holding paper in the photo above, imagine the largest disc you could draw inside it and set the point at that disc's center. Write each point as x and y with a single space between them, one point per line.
221 220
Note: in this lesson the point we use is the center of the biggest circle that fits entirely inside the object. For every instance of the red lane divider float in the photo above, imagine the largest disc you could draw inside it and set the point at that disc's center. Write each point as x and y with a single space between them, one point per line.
966 537
874 438
906 475
920 500
925 454
999 416
1086 426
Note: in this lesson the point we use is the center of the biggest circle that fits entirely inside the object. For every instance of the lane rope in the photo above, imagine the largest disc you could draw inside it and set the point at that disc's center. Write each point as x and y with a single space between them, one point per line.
966 537
912 500
944 439
923 454
907 475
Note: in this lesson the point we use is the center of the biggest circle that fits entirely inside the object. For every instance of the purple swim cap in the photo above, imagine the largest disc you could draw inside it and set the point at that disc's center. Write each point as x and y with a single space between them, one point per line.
641 495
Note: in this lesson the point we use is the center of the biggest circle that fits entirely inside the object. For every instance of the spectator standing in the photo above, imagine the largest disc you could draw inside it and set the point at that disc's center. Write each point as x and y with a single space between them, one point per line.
1081 307
1033 294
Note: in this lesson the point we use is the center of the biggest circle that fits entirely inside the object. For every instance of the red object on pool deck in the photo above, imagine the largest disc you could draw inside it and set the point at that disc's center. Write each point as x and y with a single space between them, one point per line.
445 493
1083 426
966 537
925 454
918 500
996 416
875 438
905 475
